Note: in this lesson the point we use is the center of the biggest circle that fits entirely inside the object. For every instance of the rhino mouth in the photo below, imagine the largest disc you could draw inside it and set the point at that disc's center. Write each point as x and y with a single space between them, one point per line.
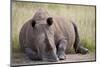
50 56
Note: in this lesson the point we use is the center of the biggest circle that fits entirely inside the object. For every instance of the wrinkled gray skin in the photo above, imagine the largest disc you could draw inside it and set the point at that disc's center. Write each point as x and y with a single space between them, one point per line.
49 38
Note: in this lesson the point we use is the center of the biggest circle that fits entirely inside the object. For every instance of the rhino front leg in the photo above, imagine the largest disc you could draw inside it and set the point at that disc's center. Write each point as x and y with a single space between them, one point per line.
61 49
31 54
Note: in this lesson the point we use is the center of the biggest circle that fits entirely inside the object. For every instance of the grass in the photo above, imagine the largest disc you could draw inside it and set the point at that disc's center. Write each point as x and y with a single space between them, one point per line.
89 44
83 15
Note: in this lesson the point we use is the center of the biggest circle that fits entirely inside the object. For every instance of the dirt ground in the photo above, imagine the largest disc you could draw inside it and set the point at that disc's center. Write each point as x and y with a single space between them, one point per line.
21 59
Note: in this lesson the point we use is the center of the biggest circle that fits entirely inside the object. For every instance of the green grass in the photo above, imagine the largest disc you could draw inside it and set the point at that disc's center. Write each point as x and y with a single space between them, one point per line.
83 15
88 44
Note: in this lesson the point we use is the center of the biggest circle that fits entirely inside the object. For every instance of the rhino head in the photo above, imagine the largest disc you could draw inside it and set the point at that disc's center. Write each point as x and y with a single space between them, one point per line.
43 37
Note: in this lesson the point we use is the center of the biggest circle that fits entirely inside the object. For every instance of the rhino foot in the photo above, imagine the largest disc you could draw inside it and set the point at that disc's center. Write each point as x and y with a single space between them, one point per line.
82 50
61 55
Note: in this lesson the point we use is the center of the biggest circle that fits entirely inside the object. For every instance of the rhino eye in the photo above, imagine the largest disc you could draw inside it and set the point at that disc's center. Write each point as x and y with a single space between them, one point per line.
49 21
33 23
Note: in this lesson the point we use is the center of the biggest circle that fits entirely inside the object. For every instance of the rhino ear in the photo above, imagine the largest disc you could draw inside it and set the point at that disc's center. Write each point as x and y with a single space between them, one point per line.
33 23
49 21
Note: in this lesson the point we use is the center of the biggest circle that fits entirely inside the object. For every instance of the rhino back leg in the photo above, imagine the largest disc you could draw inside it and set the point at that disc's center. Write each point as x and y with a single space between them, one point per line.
77 45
